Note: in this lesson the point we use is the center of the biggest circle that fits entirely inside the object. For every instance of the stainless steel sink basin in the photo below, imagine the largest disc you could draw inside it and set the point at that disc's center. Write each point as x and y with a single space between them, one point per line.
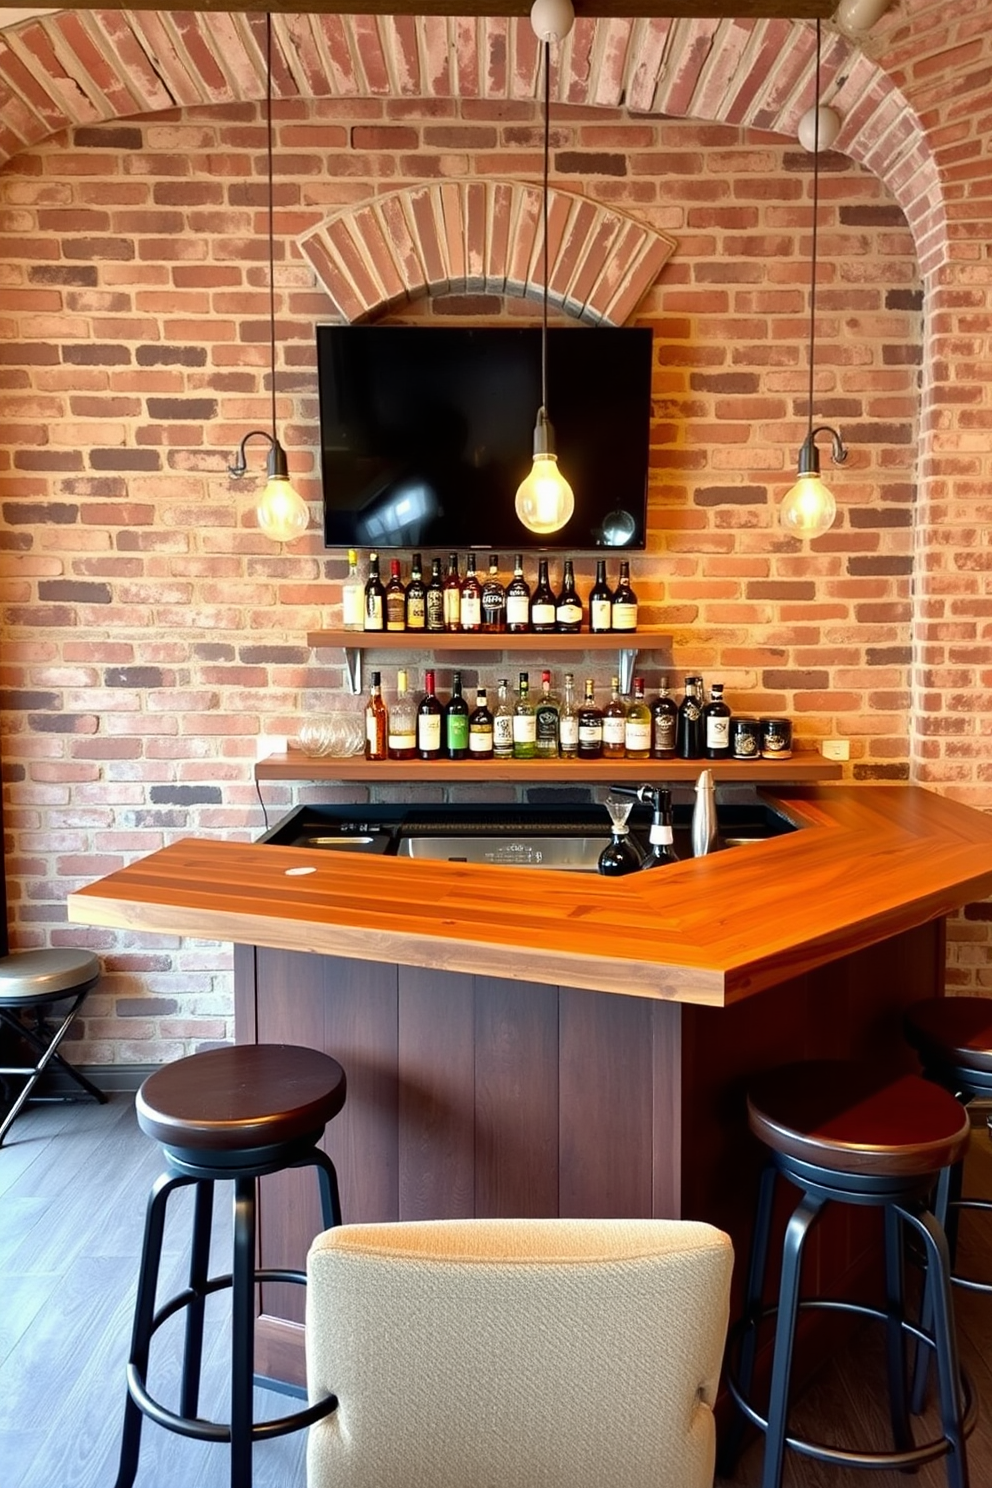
575 854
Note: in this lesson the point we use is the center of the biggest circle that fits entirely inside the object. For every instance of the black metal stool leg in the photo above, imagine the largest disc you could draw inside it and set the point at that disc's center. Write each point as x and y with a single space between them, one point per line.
945 1342
327 1179
144 1312
243 1332
902 1434
730 1448
803 1216
199 1267
921 1362
47 1051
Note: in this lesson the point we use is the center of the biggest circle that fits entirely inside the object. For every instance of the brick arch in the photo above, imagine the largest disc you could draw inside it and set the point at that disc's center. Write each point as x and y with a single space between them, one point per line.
485 236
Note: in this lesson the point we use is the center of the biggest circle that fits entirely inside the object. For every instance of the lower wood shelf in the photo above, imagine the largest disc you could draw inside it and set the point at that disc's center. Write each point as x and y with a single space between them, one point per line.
294 765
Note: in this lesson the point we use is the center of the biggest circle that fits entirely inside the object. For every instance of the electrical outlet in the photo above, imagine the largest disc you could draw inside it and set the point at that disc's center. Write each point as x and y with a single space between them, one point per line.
267 744
835 749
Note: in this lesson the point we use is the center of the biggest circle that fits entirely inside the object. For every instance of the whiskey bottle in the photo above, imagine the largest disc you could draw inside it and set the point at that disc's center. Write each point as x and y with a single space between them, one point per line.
637 734
623 614
716 725
429 722
452 595
353 595
471 608
615 725
524 722
493 598
518 599
375 597
568 608
568 721
689 738
503 723
375 721
664 713
456 721
416 597
395 598
402 731
547 720
542 601
600 601
435 599
480 728
590 726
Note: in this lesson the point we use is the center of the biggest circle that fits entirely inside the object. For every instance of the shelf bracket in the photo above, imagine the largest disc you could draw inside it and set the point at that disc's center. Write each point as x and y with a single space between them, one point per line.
353 668
626 662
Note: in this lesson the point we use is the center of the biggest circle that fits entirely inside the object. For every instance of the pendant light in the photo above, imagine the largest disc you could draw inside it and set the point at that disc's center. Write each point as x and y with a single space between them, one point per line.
282 514
544 501
808 510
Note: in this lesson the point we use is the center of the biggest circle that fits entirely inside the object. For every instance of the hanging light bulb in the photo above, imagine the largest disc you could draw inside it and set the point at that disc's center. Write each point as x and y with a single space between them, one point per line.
545 501
281 513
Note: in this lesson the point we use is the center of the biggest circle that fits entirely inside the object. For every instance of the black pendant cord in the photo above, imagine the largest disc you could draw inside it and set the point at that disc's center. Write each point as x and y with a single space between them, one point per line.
816 220
272 251
544 199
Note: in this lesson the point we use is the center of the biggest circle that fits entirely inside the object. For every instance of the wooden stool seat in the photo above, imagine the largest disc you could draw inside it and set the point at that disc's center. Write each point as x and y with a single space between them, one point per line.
240 1098
954 1031
848 1117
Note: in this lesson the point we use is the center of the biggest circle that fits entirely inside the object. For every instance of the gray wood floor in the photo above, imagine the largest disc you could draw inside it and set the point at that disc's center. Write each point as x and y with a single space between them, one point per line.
73 1181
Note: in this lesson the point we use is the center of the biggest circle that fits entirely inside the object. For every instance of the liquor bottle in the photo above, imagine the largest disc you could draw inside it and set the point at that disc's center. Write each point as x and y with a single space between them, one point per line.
480 728
353 595
661 837
452 595
615 725
547 720
600 601
590 726
429 722
375 721
689 739
493 598
568 609
416 597
402 732
395 598
542 601
434 600
623 615
663 717
518 599
503 723
471 607
568 721
716 725
637 736
524 722
456 721
374 608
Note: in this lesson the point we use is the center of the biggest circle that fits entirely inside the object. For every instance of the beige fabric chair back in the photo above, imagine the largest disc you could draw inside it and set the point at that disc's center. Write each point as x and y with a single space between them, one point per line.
517 1353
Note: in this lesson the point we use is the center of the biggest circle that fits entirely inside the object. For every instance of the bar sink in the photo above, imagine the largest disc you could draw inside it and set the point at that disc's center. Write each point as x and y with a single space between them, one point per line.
572 854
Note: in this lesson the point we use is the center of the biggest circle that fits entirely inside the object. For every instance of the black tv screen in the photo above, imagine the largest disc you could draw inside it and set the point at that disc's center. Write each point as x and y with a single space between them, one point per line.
426 433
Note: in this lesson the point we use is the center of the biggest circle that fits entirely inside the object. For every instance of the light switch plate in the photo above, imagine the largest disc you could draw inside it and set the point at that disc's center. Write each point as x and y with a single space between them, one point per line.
835 749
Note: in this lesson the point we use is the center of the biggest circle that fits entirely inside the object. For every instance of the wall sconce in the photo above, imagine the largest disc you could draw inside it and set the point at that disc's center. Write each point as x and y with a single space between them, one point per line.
282 514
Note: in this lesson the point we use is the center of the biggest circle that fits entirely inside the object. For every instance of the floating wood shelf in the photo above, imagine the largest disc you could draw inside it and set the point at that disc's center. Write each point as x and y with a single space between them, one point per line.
295 765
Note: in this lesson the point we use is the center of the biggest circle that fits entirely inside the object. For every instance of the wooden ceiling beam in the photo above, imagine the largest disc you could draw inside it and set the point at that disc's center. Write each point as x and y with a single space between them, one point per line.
796 10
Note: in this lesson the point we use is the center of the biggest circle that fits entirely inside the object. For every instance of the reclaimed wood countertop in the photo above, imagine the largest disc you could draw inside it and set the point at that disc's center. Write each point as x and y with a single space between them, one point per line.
870 862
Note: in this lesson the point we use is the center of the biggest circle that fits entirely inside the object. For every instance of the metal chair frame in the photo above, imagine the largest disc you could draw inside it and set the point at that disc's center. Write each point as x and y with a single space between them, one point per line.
44 1042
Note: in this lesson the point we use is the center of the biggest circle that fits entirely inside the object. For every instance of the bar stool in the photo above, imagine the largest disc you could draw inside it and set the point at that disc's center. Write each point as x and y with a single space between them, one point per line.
840 1131
233 1113
30 983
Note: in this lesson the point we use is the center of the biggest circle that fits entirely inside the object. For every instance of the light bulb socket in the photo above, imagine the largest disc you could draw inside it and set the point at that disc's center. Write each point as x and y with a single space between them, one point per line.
544 434
809 455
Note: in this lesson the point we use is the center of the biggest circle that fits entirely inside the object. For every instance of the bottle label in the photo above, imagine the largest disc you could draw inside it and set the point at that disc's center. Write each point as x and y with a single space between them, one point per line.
399 740
373 612
353 606
638 735
660 835
524 728
503 731
480 738
429 731
547 726
624 617
542 614
600 614
372 731
452 599
717 732
416 613
568 731
591 734
614 730
435 609
569 614
664 731
457 731
471 612
517 609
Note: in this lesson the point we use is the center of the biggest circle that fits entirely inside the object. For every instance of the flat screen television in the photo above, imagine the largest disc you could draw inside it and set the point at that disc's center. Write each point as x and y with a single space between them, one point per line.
426 433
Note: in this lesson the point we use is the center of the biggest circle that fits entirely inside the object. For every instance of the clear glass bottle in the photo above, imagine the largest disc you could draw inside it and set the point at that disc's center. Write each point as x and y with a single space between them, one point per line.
353 595
374 608
429 716
716 725
471 606
661 836
664 713
395 598
568 720
600 602
402 732
452 595
623 613
434 600
542 601
547 720
524 722
568 607
689 738
518 599
590 726
416 597
376 722
503 722
480 728
615 724
456 721
493 598
637 733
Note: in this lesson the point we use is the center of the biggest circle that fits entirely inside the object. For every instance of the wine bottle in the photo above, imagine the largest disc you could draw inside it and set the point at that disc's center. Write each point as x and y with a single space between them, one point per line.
452 595
503 723
395 598
518 599
524 722
600 601
471 605
547 720
416 597
480 728
456 721
664 713
542 601
661 836
374 608
590 726
615 724
402 731
435 599
637 733
353 595
568 608
623 614
375 721
716 725
493 598
568 721
689 741
429 722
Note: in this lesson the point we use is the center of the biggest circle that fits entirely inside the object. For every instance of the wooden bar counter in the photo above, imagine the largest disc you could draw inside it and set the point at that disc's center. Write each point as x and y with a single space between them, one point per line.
487 1073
